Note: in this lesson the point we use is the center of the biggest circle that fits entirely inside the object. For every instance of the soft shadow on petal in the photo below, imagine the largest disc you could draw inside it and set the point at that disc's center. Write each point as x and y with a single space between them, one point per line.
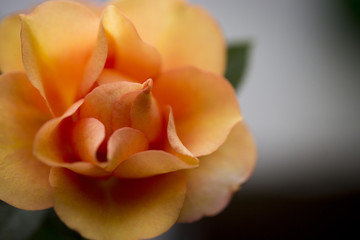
182 33
211 185
87 135
174 145
100 102
10 45
118 209
145 114
204 105
110 75
150 163
95 64
54 145
127 52
23 178
61 51
123 143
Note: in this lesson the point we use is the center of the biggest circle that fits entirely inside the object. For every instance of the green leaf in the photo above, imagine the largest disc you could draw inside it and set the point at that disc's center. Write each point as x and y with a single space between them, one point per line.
355 8
52 228
237 58
17 224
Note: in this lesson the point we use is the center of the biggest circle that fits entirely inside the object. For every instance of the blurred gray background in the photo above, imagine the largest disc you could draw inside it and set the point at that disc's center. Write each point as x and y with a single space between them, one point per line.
302 91
301 100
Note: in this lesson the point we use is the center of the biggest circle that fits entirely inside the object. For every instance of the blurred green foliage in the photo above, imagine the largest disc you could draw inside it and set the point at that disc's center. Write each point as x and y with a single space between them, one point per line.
355 8
52 228
237 59
17 224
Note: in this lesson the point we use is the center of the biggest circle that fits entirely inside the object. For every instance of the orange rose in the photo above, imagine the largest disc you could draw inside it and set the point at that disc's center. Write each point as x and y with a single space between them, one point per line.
119 117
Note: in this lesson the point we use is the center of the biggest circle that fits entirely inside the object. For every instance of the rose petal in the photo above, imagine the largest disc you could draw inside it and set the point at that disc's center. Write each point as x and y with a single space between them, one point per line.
120 115
127 52
174 144
110 75
53 145
118 209
100 102
59 51
10 45
149 17
204 105
145 114
95 65
23 179
123 143
150 163
87 136
211 185
178 30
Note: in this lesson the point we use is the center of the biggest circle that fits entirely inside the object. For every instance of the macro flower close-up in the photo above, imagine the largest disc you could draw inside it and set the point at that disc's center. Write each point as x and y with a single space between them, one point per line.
119 116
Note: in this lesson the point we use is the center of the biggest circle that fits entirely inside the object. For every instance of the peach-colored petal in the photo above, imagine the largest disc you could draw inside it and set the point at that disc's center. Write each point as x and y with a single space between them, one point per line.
63 53
53 145
151 18
123 143
110 75
145 114
150 163
118 209
211 185
204 105
174 144
87 136
95 65
50 144
10 45
120 116
178 30
100 102
23 179
127 52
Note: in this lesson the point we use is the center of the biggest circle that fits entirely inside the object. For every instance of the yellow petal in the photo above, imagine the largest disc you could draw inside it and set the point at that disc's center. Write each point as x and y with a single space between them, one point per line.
63 53
95 64
150 163
149 17
204 105
211 185
183 34
23 179
127 52
10 45
118 209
